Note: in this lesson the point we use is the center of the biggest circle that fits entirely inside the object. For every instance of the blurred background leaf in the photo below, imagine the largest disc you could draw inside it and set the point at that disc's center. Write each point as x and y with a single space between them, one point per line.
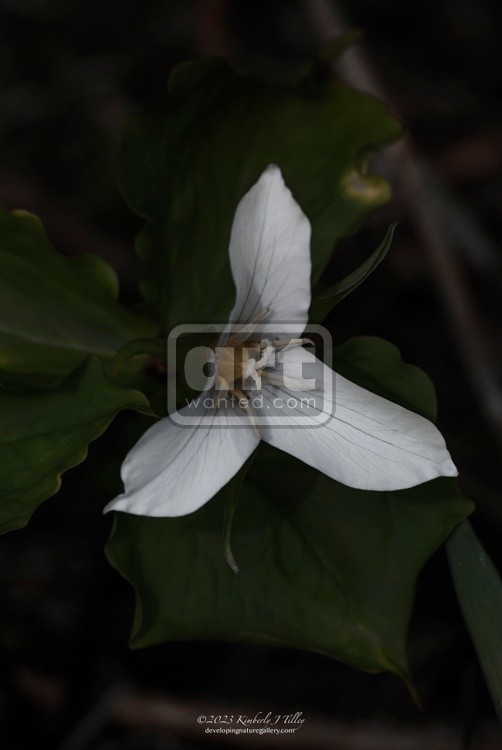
479 591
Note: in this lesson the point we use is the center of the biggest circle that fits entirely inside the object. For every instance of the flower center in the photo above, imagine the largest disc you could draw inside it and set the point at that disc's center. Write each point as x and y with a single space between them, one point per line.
239 366
231 363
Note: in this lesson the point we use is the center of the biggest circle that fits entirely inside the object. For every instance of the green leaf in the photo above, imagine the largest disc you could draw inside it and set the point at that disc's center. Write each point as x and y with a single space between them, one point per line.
185 165
45 431
331 572
479 591
55 311
322 567
376 364
323 303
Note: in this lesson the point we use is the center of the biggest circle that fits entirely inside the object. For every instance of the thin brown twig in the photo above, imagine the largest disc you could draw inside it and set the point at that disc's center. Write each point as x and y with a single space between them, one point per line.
418 190
138 709
212 33
132 708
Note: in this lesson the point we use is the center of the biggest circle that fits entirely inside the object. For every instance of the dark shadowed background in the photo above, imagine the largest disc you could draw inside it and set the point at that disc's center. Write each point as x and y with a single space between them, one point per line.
70 72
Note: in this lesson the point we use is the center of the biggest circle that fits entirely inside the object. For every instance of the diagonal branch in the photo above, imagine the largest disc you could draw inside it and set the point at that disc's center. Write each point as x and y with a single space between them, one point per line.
425 201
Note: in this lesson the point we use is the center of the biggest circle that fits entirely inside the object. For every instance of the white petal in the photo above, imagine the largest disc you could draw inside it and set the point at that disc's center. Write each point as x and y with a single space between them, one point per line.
355 437
270 255
174 470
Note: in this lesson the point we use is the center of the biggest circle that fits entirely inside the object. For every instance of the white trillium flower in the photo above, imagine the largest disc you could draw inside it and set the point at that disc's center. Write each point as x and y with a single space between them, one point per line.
357 438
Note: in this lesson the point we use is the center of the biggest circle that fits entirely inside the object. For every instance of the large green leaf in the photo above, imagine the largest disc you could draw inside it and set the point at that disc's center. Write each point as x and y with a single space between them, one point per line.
332 572
55 311
322 567
185 165
376 364
44 431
